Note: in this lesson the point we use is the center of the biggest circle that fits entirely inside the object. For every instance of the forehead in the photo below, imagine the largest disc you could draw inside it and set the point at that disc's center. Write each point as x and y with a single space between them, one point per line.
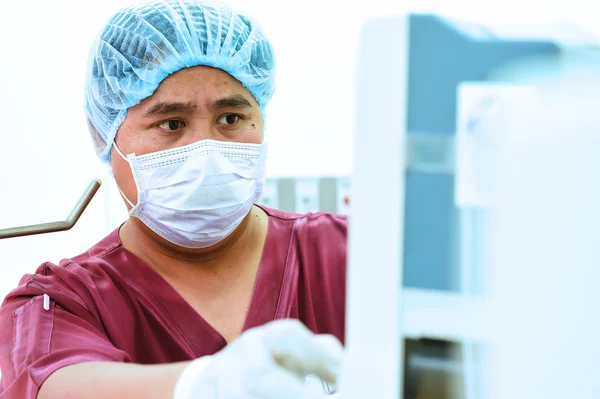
197 83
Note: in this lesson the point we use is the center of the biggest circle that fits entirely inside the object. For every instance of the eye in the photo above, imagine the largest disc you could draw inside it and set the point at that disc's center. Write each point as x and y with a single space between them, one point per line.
172 125
228 119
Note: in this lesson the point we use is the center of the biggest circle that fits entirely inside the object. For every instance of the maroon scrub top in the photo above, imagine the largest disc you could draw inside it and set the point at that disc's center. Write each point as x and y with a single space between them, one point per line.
108 305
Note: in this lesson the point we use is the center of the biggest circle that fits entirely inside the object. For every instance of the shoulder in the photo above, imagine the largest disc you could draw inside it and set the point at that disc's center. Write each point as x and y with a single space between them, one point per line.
73 282
319 236
319 223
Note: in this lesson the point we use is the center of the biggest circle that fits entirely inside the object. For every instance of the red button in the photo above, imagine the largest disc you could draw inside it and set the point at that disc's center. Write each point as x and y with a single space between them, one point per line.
346 201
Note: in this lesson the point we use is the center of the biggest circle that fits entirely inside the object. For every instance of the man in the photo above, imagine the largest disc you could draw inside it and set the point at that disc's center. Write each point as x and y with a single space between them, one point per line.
175 95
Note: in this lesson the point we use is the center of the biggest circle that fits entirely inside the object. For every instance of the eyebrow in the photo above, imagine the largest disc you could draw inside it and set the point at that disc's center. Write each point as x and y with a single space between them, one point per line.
234 101
164 108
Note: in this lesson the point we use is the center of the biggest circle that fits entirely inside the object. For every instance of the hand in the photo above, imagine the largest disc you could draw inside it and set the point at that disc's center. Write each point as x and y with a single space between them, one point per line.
268 362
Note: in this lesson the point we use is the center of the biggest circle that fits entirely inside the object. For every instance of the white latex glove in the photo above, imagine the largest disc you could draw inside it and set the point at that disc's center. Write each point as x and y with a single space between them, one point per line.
268 362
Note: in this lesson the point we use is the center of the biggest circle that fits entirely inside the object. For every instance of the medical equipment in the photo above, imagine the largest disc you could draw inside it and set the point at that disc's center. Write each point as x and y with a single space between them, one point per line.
430 246
52 227
317 386
543 246
332 194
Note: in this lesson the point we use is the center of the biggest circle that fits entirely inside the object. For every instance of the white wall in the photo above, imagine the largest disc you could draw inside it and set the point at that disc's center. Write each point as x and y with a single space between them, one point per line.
46 159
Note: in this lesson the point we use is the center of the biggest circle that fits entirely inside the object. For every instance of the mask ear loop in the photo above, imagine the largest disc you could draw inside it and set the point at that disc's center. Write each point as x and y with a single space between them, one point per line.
126 160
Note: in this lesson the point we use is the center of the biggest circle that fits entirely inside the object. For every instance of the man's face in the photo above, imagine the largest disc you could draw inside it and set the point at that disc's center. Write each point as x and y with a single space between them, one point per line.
190 105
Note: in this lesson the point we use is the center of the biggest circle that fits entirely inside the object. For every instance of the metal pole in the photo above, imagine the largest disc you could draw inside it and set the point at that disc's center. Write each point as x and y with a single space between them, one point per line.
52 227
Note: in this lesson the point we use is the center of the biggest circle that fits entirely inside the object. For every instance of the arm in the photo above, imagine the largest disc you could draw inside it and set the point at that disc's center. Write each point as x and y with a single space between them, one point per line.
271 361
100 380
61 352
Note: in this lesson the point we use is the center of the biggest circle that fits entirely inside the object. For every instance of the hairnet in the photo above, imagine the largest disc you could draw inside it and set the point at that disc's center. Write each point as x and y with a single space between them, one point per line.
141 45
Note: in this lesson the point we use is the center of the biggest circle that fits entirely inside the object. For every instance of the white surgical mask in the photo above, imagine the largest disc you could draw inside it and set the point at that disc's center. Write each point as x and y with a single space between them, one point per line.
196 195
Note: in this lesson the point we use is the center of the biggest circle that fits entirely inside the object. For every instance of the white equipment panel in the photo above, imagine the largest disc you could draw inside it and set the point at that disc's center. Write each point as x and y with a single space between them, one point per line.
307 195
270 194
373 324
344 196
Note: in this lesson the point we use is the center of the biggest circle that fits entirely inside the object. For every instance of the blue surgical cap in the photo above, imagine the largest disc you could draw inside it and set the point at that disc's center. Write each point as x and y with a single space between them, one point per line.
143 44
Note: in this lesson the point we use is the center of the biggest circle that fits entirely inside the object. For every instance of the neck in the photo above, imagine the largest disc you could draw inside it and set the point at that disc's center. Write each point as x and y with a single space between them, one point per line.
174 262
